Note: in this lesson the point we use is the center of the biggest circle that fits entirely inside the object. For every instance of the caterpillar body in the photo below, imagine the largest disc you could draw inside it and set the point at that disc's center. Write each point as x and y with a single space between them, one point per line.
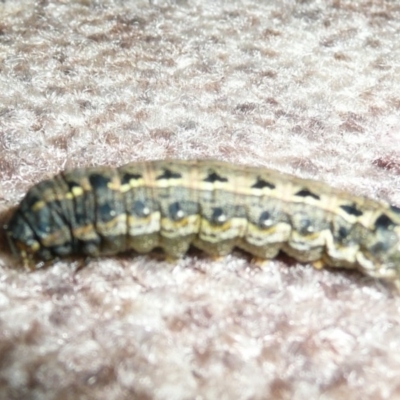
212 205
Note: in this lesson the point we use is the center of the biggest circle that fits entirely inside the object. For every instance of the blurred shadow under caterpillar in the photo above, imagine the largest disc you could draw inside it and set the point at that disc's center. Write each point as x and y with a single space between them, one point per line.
212 205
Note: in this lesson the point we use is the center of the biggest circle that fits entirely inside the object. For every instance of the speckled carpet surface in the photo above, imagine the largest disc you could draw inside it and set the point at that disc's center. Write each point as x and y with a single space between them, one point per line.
307 87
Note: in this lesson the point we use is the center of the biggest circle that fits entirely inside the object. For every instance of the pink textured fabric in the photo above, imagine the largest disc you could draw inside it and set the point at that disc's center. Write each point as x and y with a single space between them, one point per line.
306 87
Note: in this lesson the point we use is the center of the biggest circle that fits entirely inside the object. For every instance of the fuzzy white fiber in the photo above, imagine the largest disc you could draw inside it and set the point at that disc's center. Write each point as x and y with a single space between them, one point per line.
308 87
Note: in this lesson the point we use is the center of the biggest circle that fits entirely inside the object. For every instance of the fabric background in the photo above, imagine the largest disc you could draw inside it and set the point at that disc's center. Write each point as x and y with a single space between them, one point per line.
307 87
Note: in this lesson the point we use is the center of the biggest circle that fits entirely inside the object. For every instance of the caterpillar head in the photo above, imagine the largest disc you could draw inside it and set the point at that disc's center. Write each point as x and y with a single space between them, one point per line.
24 243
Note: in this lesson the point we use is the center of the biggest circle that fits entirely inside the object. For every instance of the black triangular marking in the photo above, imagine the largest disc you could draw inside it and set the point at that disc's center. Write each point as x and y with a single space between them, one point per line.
126 178
384 222
214 177
98 181
168 174
307 193
261 184
351 210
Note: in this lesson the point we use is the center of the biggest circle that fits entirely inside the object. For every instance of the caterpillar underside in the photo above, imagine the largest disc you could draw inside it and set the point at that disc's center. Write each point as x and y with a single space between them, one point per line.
212 205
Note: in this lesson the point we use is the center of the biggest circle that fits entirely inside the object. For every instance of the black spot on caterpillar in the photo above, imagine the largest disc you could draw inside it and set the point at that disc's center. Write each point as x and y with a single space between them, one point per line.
307 193
214 177
352 210
383 222
126 178
168 174
214 206
261 184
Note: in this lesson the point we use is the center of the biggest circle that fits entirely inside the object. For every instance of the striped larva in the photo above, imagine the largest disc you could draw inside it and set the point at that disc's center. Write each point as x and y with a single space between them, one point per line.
212 205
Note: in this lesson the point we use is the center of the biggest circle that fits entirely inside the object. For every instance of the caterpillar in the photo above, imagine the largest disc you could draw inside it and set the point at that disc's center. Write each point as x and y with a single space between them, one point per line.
212 205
